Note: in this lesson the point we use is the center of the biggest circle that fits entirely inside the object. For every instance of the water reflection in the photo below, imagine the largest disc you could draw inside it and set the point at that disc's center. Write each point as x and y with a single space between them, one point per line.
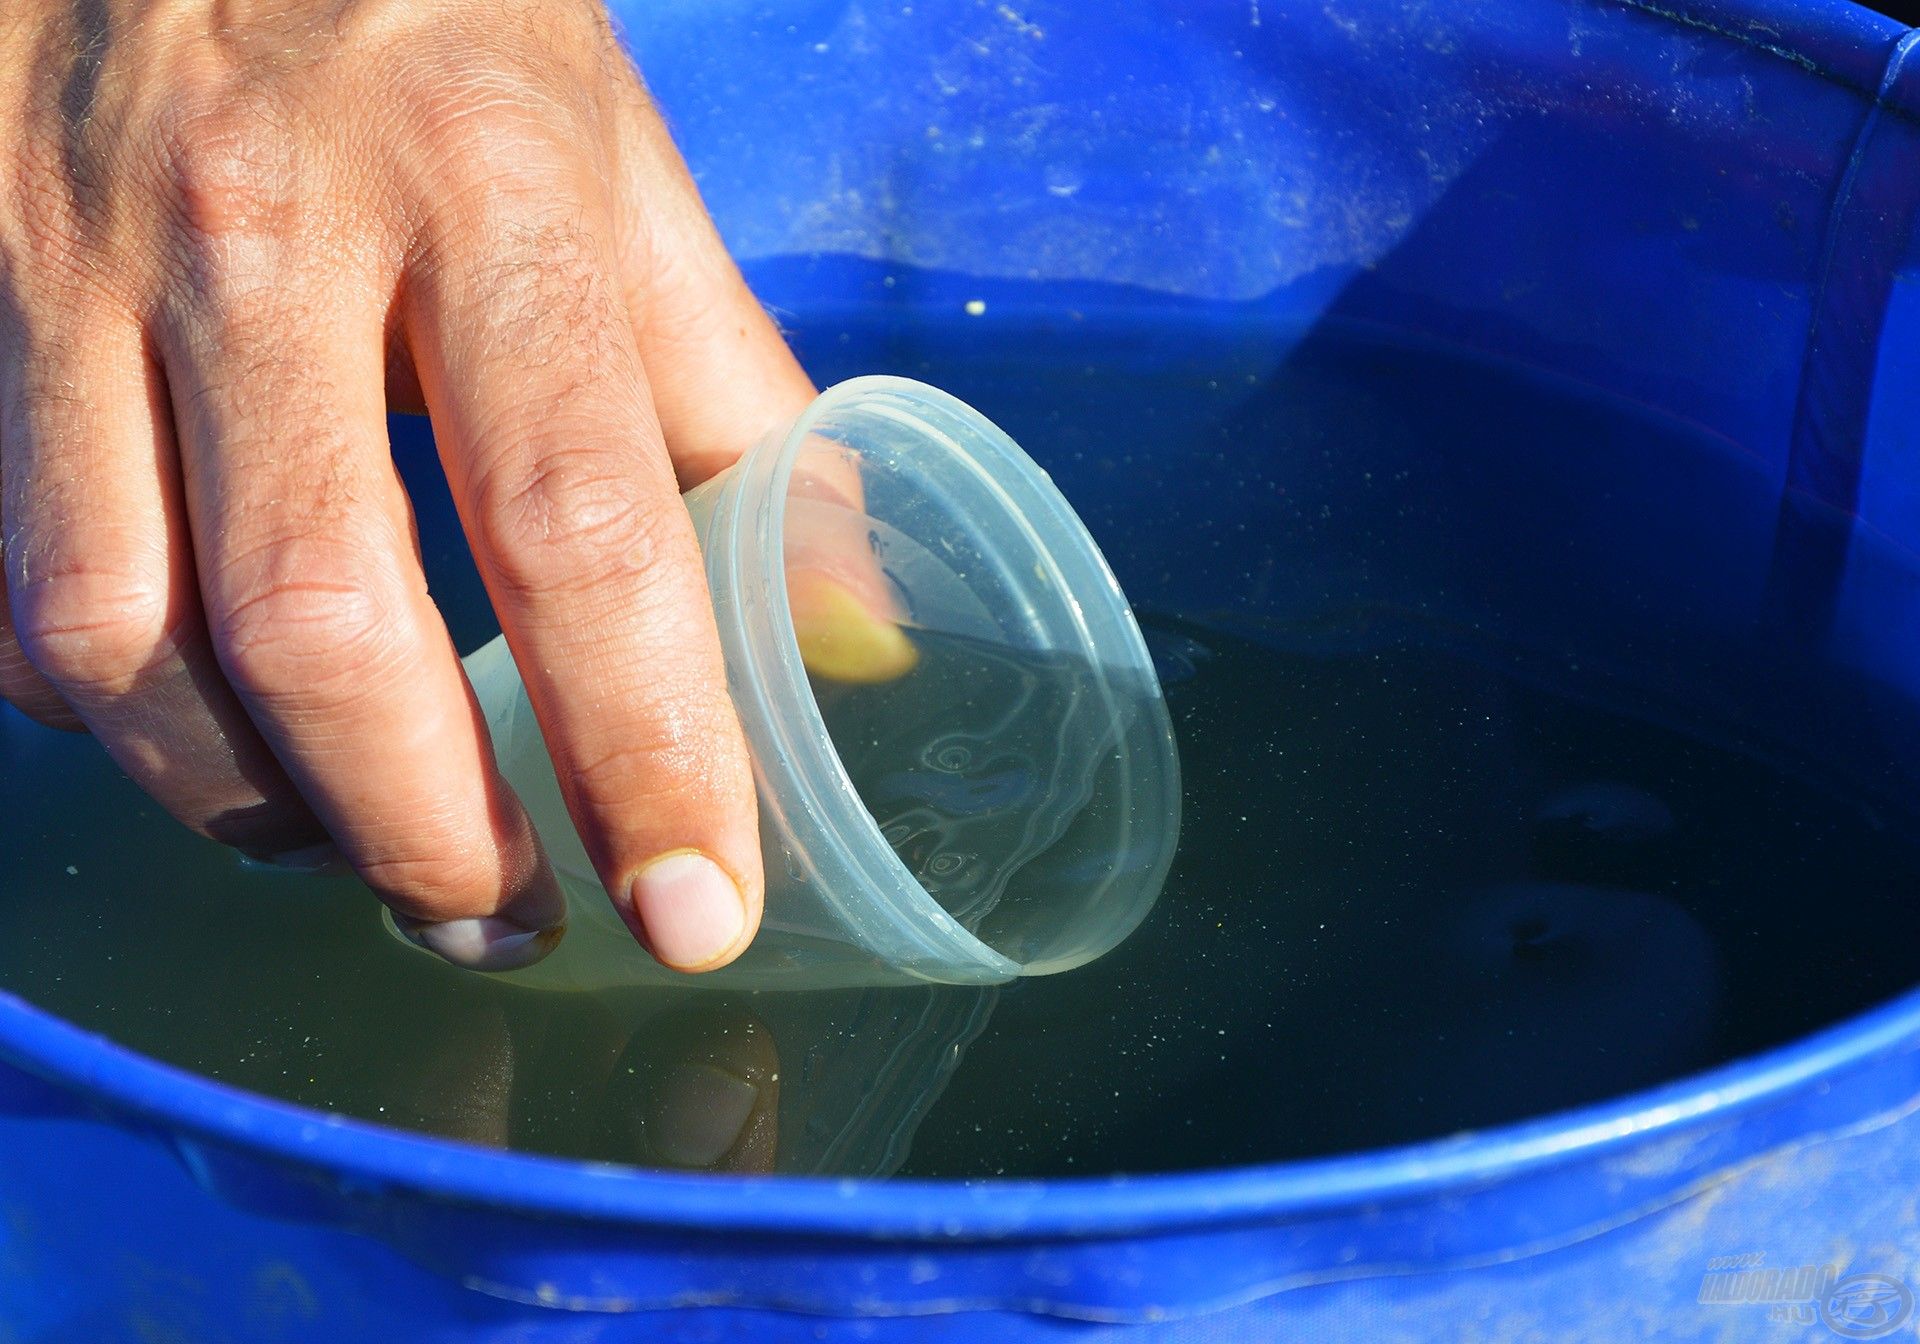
826 1083
287 985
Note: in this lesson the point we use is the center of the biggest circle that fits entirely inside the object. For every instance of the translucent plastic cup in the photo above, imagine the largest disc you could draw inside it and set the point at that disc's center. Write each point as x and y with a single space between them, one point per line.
966 770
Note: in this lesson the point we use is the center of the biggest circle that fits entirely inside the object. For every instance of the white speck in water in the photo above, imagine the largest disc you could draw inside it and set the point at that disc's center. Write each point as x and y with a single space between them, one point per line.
975 307
72 871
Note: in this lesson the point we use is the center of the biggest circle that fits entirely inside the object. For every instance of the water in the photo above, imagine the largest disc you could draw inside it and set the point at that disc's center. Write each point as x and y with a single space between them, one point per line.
952 761
1494 805
1000 777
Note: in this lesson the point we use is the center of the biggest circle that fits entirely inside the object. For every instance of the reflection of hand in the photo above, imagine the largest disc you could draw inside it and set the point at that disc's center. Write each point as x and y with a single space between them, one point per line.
700 1091
230 239
696 1087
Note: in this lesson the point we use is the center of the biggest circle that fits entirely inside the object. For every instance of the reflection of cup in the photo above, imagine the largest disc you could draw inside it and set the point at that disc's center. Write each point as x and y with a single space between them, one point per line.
830 1083
825 1084
992 793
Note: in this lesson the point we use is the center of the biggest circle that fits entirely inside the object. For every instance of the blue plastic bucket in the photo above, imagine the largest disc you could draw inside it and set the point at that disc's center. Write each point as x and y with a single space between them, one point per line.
1701 209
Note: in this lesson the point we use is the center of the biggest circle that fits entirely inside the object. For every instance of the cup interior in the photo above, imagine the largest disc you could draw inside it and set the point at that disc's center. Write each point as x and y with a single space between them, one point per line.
975 673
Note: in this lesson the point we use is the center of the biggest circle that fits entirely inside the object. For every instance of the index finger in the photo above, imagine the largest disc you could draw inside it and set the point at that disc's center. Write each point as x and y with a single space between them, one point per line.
548 433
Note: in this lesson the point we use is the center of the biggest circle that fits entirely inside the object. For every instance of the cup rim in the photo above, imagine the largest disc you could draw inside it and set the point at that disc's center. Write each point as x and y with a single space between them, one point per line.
813 764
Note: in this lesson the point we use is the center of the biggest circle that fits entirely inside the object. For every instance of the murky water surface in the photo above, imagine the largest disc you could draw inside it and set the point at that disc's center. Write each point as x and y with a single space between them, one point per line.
1431 877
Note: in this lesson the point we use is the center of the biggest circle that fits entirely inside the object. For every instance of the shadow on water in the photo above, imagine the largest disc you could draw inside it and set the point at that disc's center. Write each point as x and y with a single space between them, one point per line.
1495 803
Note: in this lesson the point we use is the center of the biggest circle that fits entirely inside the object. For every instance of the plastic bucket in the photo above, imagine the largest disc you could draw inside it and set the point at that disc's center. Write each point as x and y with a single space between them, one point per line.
1702 209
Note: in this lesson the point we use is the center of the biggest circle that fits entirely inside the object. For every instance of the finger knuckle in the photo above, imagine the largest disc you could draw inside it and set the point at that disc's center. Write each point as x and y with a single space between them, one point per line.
312 634
96 627
232 166
569 519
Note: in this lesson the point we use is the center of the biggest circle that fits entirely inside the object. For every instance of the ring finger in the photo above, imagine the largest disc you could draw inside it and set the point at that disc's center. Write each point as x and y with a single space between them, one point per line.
101 592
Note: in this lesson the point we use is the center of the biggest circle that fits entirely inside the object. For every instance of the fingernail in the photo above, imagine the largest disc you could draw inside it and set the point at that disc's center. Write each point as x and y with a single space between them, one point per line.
321 860
841 638
503 942
686 910
702 1113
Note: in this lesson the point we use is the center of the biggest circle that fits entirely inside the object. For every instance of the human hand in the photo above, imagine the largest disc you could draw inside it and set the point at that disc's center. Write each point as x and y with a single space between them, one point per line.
231 238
